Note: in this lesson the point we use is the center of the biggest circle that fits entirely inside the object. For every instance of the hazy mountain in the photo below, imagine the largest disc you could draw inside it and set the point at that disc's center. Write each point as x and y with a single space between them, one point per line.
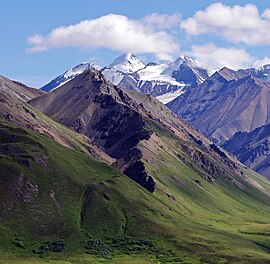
252 148
224 104
164 81
262 72
189 71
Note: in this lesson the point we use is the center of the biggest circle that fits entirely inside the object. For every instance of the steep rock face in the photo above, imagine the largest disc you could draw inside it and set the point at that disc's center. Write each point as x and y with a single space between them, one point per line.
225 104
132 165
252 148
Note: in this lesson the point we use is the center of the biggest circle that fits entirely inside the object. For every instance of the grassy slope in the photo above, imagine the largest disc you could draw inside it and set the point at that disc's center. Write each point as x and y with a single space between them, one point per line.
231 222
24 115
128 210
79 199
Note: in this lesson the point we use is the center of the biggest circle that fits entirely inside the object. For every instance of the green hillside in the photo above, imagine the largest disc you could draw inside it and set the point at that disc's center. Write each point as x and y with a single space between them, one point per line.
60 206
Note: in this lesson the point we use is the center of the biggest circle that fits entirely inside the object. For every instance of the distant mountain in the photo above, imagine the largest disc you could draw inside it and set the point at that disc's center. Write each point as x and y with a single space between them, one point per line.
164 81
227 102
127 63
189 71
67 76
252 148
262 72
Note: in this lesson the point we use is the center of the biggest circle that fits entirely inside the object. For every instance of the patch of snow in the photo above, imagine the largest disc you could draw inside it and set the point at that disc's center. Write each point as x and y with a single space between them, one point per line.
113 75
170 96
156 73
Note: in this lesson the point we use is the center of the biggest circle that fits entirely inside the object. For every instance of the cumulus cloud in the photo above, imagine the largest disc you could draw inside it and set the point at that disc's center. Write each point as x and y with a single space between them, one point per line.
235 23
216 57
116 32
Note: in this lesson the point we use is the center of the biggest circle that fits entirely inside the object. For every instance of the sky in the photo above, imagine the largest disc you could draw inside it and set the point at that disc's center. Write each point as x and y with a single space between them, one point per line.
42 39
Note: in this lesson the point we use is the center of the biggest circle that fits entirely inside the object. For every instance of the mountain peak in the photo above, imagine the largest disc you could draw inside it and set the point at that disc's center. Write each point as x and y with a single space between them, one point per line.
68 75
230 74
80 69
188 59
127 63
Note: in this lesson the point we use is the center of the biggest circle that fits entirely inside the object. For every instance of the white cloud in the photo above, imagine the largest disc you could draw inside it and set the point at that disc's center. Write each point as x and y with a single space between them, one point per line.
115 32
162 21
237 23
216 57
260 62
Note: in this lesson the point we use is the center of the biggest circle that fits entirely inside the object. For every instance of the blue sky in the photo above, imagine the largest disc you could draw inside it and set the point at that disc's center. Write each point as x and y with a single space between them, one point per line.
235 33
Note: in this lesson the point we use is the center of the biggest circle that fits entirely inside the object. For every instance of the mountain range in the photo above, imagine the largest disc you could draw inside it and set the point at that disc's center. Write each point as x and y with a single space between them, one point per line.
92 172
229 102
165 81
219 103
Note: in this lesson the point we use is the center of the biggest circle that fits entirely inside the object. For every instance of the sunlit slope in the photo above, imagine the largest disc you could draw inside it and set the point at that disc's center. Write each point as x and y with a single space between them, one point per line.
50 192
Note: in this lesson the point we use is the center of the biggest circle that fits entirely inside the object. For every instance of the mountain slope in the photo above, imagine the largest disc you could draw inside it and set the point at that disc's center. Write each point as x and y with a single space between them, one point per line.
54 193
252 148
14 109
57 194
18 89
225 104
119 123
67 76
205 206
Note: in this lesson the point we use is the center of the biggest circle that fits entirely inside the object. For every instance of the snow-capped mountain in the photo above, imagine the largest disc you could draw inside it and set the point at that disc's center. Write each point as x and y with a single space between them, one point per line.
189 71
165 81
262 72
68 75
265 70
127 63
